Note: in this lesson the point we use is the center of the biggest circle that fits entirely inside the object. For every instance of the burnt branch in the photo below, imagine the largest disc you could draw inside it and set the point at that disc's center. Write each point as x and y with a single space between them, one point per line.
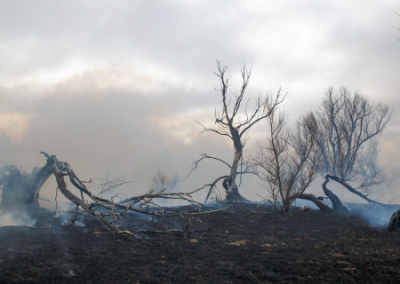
315 200
212 185
90 203
352 190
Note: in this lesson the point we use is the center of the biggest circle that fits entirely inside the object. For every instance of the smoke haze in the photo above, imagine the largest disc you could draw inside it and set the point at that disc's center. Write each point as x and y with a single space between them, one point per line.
118 87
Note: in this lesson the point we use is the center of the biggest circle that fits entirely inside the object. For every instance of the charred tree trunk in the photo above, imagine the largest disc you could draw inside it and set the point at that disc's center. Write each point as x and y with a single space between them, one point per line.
315 200
336 203
232 191
22 188
393 221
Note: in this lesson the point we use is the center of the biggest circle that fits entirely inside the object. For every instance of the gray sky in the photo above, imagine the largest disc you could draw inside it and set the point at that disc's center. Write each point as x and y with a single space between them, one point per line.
119 85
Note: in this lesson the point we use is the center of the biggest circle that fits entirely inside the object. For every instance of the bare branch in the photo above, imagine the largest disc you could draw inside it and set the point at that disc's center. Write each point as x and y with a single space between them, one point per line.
212 185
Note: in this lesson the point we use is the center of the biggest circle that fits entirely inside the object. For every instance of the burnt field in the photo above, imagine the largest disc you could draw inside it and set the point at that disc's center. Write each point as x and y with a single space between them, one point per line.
247 243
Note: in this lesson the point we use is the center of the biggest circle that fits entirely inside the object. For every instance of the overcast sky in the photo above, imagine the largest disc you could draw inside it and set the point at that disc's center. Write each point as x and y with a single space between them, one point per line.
117 86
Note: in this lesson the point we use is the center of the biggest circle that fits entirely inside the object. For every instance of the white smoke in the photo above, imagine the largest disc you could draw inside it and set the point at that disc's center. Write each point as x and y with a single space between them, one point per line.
374 215
16 218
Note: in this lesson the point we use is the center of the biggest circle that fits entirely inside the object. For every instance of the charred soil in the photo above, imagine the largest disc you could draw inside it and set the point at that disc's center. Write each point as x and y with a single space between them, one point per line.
247 243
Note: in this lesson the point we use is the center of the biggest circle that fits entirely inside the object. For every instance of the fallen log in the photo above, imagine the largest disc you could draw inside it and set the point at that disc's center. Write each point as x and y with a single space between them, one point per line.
315 200
89 202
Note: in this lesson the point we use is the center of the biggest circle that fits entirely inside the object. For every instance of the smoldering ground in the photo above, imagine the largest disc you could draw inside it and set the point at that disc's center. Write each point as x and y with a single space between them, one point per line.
376 216
17 217
246 243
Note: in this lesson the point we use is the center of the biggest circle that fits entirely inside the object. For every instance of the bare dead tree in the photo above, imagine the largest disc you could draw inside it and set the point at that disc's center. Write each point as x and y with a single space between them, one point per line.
234 121
286 170
348 127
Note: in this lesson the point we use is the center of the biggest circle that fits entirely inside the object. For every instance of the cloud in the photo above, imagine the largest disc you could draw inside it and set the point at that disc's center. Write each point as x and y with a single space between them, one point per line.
106 120
120 85
14 125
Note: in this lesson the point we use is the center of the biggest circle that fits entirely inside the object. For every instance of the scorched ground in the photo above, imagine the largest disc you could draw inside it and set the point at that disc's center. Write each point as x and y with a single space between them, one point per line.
247 243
